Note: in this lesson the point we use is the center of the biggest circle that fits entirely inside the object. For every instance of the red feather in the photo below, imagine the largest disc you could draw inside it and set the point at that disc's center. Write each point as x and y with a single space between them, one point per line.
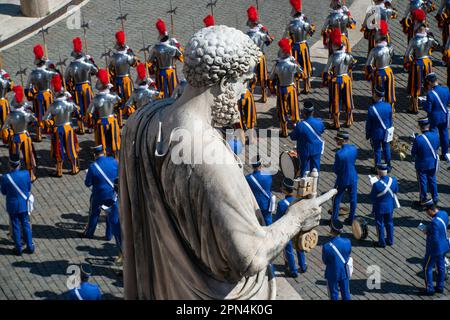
336 37
161 26
297 5
77 45
6 75
142 73
103 76
209 21
57 83
419 15
285 45
120 38
252 14
384 28
18 91
38 51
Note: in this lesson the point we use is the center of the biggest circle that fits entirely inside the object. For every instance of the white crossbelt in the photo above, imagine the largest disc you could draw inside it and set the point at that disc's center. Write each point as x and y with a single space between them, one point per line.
432 151
444 109
388 131
287 202
338 253
443 223
315 134
29 200
388 189
104 175
259 186
77 293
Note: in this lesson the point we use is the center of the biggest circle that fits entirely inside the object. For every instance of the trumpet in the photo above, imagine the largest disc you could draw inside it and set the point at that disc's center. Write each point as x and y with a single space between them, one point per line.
399 147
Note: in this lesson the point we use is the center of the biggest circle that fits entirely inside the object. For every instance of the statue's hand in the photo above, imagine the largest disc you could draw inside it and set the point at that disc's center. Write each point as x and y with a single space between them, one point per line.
308 210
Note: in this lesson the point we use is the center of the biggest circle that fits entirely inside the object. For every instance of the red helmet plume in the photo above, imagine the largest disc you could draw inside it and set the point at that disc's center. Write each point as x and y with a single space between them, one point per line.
77 45
38 51
142 73
297 5
419 15
161 26
57 83
336 37
120 38
252 14
209 21
285 45
103 76
18 92
384 28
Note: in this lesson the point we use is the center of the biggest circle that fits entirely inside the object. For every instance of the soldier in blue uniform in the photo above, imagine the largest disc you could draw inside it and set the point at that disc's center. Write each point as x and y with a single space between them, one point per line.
379 121
437 246
100 177
384 201
424 151
347 177
16 186
86 290
261 183
283 205
310 145
436 106
335 256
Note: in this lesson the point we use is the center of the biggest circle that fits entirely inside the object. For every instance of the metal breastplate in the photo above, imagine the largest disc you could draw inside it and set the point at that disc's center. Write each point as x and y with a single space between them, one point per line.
104 104
143 96
417 4
382 56
41 79
421 46
164 54
4 87
80 71
62 112
18 120
340 67
120 62
285 70
338 20
298 29
258 37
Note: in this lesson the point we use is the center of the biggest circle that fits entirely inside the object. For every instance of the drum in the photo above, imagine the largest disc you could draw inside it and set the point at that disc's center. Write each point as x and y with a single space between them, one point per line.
360 229
306 241
289 164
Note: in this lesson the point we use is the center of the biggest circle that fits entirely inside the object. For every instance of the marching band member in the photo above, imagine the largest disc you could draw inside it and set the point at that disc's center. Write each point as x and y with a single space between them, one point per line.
298 30
86 290
208 21
16 186
119 69
283 205
58 119
379 121
346 176
261 37
335 256
38 87
163 58
6 86
418 64
442 17
101 110
336 76
260 183
144 93
15 131
78 81
384 200
424 151
415 13
339 18
101 176
437 245
283 78
436 106
378 65
310 145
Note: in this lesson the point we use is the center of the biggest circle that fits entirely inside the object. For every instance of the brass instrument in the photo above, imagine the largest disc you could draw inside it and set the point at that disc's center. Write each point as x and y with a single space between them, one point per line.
399 147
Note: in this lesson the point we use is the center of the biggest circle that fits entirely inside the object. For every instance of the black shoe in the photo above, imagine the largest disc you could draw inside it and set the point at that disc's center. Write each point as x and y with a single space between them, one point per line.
292 275
426 293
304 270
439 290
29 251
18 252
376 244
85 236
348 222
417 204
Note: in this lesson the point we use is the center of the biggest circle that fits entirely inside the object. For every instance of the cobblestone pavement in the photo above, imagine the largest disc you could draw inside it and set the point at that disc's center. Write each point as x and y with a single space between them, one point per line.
62 204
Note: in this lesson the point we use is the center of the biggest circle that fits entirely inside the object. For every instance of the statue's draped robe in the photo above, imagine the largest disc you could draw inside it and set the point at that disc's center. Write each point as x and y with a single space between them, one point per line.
190 231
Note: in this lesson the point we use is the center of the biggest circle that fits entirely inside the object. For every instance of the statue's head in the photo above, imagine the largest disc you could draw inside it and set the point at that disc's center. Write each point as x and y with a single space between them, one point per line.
222 58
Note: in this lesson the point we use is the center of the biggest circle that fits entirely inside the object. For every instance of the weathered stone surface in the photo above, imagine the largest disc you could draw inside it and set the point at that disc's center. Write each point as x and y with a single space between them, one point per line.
34 8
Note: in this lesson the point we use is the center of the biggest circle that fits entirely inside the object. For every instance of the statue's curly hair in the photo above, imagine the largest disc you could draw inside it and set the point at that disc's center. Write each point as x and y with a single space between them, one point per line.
217 52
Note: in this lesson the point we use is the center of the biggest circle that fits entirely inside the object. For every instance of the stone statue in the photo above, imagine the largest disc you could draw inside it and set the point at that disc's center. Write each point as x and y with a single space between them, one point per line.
193 230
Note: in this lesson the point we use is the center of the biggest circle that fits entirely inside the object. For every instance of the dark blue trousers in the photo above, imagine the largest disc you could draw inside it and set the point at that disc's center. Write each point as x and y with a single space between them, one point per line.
309 163
429 263
379 145
353 193
94 213
334 287
289 252
385 221
21 222
427 182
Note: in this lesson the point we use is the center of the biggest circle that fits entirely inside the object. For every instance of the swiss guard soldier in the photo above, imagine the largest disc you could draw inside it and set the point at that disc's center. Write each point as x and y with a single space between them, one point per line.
119 69
418 64
336 255
78 81
298 30
107 130
58 119
378 65
100 176
384 200
163 58
415 13
6 86
443 17
260 183
310 145
379 127
208 21
339 18
385 10
16 186
283 205
38 87
336 77
261 37
247 110
346 176
424 151
283 78
446 59
144 92
437 245
436 106
15 131
86 290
